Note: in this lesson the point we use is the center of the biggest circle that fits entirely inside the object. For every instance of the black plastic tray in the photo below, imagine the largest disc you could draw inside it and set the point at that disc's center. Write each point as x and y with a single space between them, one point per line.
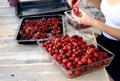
29 41
46 7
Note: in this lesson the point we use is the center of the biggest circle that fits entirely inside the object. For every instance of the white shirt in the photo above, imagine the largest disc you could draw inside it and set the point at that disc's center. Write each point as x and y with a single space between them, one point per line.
112 16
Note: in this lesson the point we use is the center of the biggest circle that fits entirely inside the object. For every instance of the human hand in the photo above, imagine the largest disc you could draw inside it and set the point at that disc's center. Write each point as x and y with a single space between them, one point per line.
82 16
73 3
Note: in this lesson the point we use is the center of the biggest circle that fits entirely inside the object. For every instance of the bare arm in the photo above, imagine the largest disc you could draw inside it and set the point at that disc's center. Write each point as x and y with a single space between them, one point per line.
87 19
100 25
106 28
94 3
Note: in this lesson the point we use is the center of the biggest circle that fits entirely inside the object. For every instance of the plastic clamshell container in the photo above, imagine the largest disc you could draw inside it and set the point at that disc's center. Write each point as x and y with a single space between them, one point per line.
73 22
39 18
85 68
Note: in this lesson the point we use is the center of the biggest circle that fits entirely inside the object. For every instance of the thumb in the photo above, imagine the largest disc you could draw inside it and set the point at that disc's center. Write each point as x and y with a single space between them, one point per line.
82 10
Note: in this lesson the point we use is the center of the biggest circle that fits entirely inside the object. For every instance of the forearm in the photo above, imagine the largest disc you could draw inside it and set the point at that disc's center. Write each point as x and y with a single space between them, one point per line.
106 28
94 3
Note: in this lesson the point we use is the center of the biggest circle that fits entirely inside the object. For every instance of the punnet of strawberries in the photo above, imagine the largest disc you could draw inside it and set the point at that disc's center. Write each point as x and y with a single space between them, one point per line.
75 55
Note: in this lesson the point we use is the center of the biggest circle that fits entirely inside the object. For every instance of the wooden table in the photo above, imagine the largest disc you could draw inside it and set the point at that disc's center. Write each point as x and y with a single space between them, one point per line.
28 62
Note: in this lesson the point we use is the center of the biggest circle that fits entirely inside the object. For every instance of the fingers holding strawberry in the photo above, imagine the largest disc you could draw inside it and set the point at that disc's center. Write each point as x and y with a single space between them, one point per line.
76 11
82 16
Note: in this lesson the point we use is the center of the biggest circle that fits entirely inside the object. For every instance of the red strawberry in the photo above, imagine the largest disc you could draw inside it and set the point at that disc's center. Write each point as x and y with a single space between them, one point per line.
89 61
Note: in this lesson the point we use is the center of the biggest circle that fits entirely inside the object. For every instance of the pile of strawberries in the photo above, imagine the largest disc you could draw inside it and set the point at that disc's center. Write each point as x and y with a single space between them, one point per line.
39 29
73 52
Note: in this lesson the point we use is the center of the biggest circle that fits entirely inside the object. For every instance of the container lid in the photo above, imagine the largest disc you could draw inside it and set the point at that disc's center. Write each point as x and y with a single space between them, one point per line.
32 8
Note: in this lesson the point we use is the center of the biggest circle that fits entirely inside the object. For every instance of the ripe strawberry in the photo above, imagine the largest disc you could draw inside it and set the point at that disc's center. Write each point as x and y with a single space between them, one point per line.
105 54
106 61
68 54
76 72
91 46
94 59
69 47
84 60
65 60
61 51
89 61
100 64
64 48
64 65
100 57
80 62
88 55
69 64
77 59
78 65
90 51
88 68
72 67
69 73
82 69
76 11
96 65
50 49
95 54
56 40
59 58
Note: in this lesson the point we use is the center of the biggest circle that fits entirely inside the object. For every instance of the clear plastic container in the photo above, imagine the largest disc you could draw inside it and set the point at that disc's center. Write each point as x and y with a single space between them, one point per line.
73 22
70 73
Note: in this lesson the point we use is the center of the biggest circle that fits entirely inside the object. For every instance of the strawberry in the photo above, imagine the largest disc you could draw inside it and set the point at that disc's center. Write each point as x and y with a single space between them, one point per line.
89 61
